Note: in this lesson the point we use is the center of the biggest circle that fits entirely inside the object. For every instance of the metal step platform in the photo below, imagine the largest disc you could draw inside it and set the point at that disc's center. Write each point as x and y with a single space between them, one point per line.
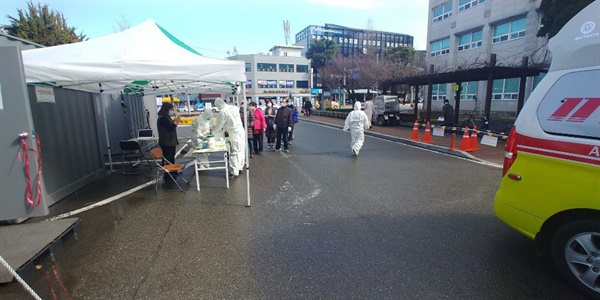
22 244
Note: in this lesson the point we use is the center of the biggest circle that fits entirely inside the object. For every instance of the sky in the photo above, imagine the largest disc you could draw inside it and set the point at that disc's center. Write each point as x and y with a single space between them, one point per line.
213 27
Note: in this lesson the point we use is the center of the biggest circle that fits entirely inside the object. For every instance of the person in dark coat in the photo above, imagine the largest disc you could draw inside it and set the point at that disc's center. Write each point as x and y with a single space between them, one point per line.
167 131
271 133
307 108
447 113
283 123
294 110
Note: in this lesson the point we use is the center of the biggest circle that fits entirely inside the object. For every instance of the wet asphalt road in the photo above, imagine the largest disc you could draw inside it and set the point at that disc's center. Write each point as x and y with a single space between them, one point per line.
396 223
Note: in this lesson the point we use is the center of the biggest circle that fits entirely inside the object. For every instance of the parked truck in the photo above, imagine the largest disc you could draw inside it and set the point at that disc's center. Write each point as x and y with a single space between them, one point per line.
386 110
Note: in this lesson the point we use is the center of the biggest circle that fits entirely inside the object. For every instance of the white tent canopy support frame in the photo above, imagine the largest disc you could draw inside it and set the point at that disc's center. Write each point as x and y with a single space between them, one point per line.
144 59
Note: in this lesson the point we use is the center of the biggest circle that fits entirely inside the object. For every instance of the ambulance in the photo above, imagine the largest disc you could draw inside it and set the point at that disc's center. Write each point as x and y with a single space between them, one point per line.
550 188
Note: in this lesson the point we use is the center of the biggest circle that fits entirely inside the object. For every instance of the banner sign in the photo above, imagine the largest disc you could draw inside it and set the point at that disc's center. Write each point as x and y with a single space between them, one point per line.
44 94
438 131
489 140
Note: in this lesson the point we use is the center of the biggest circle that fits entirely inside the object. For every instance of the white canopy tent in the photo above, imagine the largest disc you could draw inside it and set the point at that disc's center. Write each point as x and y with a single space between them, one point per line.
145 59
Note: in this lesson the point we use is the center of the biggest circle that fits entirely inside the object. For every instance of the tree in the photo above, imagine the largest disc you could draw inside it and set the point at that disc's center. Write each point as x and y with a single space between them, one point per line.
556 13
122 24
404 55
397 64
321 52
349 73
41 25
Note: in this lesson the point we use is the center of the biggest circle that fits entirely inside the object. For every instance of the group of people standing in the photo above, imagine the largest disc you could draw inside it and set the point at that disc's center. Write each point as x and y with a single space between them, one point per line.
280 124
276 124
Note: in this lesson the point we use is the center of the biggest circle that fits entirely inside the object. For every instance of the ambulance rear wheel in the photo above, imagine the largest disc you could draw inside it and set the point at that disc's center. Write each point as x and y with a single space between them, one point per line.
576 253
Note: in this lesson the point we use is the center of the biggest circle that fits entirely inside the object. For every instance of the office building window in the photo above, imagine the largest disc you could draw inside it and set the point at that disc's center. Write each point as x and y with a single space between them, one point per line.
466 4
442 12
468 90
286 68
469 41
438 91
286 84
302 84
302 68
264 67
249 83
505 89
267 84
248 67
509 31
440 47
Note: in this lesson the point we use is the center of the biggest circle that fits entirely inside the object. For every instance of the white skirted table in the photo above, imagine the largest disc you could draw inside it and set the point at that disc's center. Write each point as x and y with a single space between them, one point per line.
222 162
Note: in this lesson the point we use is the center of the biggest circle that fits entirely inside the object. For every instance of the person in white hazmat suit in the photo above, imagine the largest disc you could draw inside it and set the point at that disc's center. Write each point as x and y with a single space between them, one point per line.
229 119
357 122
200 131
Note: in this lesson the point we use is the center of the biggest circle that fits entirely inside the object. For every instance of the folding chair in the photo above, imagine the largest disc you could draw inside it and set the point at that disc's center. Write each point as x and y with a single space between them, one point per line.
132 157
157 155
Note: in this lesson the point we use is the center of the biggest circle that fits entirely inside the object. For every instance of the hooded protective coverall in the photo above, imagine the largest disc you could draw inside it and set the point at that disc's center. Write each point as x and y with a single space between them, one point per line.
357 122
230 120
200 131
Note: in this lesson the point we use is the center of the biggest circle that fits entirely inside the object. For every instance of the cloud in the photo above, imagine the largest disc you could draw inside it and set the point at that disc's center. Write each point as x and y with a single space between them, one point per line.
350 4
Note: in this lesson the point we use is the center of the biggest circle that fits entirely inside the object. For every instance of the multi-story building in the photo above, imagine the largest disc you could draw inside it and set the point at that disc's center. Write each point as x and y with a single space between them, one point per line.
282 73
351 40
463 34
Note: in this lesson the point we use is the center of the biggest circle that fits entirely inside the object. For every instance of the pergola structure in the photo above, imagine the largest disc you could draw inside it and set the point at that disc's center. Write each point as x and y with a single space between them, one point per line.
487 73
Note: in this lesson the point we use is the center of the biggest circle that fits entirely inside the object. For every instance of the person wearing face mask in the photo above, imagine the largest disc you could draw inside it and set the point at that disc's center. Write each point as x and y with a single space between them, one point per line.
270 113
357 122
167 131
231 122
283 124
200 131
294 111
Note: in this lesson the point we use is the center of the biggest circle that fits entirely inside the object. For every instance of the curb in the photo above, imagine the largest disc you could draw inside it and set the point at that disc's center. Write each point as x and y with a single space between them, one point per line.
431 147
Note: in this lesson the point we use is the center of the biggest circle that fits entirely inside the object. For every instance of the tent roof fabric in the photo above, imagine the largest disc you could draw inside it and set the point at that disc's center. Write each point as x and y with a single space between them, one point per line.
145 52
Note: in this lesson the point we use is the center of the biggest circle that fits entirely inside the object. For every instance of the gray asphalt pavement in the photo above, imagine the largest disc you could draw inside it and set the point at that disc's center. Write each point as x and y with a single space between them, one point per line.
398 222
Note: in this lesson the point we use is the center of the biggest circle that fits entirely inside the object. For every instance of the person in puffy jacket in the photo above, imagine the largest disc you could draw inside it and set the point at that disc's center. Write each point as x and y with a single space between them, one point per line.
260 127
283 124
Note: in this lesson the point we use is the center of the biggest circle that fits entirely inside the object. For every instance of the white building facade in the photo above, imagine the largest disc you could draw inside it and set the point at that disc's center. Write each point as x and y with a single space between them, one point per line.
463 34
283 73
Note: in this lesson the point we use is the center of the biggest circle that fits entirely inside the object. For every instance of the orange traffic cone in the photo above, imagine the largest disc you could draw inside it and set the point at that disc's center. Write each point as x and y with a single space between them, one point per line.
415 133
465 144
427 135
474 146
453 142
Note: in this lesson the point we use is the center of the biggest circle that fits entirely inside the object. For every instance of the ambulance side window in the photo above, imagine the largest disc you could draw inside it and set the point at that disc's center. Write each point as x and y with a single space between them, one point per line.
572 106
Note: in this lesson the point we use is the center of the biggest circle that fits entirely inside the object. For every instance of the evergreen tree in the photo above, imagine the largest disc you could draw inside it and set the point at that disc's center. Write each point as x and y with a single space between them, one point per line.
556 13
41 25
404 55
321 52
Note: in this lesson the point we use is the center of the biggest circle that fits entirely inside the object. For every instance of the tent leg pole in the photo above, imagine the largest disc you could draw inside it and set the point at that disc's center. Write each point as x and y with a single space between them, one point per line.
247 158
107 135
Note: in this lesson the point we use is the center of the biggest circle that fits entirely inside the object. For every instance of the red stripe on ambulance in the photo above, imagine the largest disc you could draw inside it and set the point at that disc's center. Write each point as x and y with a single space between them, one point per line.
585 153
